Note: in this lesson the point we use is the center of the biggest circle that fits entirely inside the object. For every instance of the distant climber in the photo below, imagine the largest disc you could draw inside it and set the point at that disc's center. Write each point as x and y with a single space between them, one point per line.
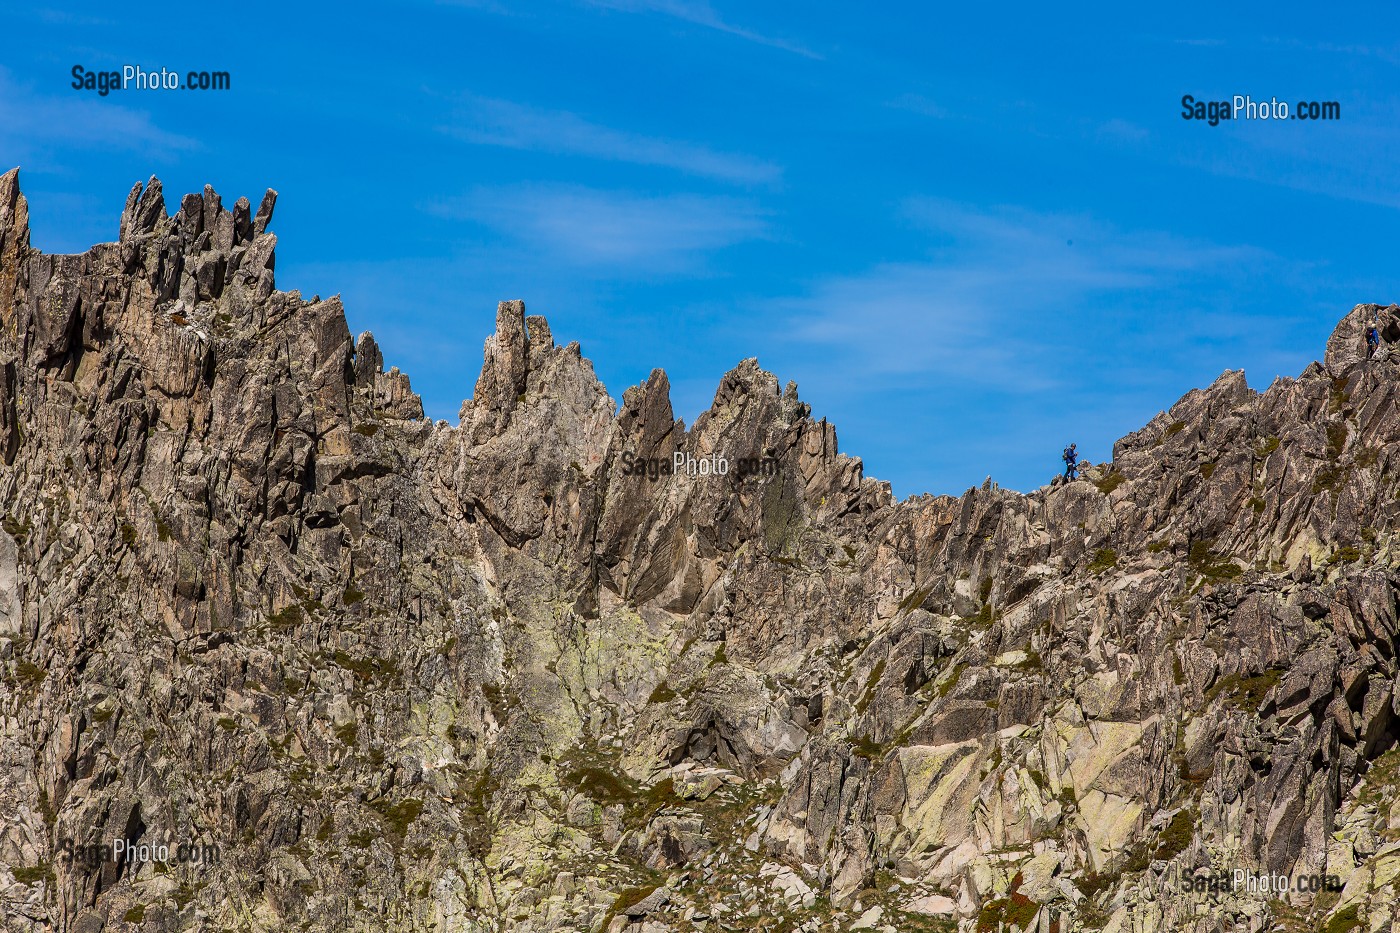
1071 458
1373 341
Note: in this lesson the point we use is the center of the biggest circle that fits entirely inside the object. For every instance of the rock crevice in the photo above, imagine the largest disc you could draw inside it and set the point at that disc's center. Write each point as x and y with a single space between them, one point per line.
492 676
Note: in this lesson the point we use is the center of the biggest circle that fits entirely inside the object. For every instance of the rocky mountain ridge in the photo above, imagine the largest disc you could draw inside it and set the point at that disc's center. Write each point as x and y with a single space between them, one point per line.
391 674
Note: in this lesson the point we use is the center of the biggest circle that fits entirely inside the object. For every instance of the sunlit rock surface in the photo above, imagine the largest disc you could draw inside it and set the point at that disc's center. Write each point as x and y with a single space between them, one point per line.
488 677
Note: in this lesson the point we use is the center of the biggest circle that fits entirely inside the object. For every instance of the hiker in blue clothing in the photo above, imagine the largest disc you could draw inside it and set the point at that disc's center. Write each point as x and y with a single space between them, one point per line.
1071 457
1373 341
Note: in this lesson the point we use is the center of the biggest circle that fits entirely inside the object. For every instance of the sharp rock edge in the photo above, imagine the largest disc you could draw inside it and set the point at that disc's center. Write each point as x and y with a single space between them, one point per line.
414 676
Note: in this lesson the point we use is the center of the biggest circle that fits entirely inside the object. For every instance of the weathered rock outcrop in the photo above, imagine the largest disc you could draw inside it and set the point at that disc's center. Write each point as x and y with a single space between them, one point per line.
357 670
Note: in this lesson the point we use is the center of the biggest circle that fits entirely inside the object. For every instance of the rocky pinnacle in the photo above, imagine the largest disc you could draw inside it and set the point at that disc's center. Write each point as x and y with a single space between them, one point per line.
280 653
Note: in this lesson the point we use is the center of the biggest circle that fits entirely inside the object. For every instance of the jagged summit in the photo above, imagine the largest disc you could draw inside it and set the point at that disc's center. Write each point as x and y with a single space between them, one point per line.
516 675
205 247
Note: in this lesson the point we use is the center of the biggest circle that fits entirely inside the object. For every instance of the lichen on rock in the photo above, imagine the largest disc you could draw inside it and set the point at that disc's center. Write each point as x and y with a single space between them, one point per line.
412 676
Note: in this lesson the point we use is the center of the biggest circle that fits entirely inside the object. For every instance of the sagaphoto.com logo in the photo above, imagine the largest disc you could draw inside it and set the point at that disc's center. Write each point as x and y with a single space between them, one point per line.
1244 107
137 78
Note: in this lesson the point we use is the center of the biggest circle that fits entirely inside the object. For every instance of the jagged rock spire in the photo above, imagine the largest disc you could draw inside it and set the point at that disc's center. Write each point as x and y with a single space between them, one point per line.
505 371
14 244
231 546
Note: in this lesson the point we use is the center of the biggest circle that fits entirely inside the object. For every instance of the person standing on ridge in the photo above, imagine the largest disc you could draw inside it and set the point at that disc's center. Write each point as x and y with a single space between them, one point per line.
1071 458
1373 341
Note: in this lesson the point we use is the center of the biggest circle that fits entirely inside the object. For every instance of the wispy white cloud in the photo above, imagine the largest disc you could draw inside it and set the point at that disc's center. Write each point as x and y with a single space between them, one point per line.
1000 296
492 122
917 103
612 230
1017 331
701 13
486 6
1390 54
1350 159
68 17
1123 131
31 122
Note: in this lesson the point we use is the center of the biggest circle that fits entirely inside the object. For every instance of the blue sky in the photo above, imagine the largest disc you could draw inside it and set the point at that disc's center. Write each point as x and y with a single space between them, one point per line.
969 236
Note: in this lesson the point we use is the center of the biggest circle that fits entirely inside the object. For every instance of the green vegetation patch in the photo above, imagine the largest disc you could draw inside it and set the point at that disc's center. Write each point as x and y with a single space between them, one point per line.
1336 438
480 824
1174 839
1211 565
19 530
1177 836
946 686
366 669
1344 555
662 693
33 874
1105 558
1111 481
1328 477
871 683
1066 797
287 617
600 781
1244 693
1267 446
398 817
363 839
1345 920
657 797
1031 662
29 675
1381 777
866 747
46 808
599 777
922 923
1094 884
1004 912
628 898
914 600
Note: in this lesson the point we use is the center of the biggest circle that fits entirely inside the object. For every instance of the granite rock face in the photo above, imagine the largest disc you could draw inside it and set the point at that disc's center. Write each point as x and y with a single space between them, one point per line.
359 671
